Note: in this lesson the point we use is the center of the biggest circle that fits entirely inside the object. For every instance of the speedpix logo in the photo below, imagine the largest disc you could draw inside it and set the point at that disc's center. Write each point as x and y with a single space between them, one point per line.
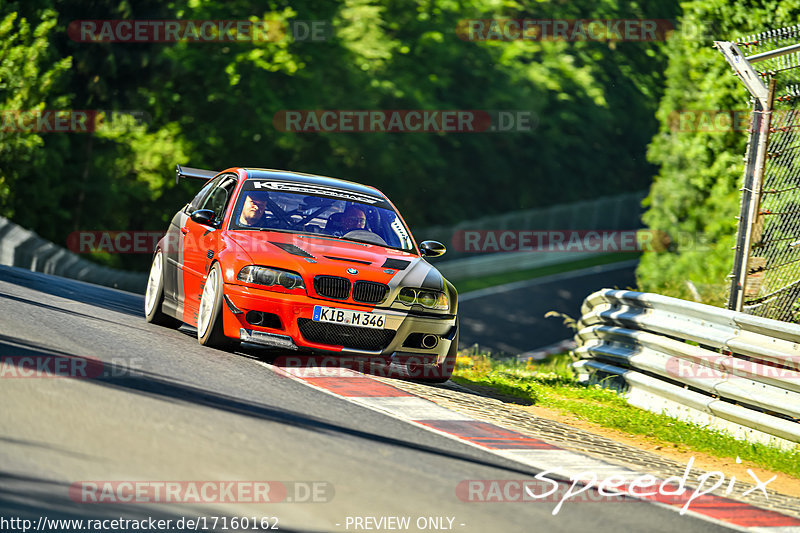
588 486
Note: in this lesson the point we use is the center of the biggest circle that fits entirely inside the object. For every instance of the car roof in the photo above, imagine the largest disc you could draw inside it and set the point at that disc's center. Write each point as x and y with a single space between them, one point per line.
299 177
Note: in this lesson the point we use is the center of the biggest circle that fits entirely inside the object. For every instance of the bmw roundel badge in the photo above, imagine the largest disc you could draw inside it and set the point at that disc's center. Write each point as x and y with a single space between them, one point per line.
352 271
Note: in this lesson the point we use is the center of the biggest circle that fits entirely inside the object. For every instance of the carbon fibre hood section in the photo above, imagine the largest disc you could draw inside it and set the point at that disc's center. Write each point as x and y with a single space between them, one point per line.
397 264
419 273
292 249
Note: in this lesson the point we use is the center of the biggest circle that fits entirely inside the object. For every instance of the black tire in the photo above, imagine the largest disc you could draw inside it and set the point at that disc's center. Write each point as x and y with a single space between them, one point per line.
210 333
436 373
154 295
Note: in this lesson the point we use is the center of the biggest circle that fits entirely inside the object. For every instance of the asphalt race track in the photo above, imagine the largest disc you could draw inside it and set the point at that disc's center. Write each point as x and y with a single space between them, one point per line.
511 318
162 408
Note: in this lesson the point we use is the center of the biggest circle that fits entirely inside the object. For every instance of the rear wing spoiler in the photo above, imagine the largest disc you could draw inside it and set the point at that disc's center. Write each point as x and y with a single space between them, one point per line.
193 173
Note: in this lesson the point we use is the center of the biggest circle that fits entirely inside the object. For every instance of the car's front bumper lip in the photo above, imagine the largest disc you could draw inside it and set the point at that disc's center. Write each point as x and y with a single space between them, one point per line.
267 339
290 307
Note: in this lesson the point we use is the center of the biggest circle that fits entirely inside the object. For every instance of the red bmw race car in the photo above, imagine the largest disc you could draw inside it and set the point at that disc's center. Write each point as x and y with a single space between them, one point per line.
303 262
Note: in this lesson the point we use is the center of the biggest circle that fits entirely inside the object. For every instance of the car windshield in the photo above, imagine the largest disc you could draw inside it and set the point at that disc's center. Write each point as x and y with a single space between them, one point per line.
268 205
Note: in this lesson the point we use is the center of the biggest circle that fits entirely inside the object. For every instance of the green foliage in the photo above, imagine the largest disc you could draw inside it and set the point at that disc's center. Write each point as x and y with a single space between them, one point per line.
523 380
212 105
695 197
29 81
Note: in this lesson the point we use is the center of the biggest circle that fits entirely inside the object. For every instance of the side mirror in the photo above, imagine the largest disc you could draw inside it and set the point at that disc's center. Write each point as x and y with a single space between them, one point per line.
432 248
203 216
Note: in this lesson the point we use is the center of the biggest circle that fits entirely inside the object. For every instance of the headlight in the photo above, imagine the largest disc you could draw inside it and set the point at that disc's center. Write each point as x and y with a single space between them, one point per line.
259 275
407 296
423 297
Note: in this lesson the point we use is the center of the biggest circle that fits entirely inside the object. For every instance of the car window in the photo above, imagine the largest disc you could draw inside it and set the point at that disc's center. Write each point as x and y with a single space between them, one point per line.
201 196
217 198
334 214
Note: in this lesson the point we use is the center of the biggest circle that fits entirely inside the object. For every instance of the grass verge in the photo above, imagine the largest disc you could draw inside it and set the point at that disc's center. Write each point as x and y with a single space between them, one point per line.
551 383
473 284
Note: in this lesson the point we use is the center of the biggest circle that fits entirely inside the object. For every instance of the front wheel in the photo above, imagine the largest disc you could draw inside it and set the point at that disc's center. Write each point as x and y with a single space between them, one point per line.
154 295
209 317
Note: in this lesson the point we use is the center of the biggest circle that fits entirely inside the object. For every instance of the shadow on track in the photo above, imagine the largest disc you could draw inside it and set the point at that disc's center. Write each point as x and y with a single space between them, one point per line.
156 386
29 498
95 295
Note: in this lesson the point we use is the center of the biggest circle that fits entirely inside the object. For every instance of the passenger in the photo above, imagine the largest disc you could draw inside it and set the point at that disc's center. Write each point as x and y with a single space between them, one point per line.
354 219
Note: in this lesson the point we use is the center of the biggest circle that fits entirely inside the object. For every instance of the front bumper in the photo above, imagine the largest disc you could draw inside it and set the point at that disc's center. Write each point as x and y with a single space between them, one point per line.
298 331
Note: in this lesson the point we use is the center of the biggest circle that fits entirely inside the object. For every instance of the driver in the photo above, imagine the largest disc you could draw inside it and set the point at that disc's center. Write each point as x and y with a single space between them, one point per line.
254 207
354 219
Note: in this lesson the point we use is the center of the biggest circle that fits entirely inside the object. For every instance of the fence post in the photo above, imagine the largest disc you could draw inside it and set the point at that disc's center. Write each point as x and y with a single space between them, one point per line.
749 229
765 277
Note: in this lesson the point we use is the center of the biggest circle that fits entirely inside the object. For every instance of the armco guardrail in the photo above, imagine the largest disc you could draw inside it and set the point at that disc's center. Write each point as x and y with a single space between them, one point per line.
22 248
620 212
706 364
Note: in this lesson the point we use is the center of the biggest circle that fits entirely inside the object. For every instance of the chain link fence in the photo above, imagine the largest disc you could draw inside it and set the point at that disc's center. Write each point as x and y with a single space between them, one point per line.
766 275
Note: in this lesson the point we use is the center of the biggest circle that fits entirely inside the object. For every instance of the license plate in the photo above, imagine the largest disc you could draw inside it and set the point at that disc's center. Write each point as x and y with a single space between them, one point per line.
349 317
